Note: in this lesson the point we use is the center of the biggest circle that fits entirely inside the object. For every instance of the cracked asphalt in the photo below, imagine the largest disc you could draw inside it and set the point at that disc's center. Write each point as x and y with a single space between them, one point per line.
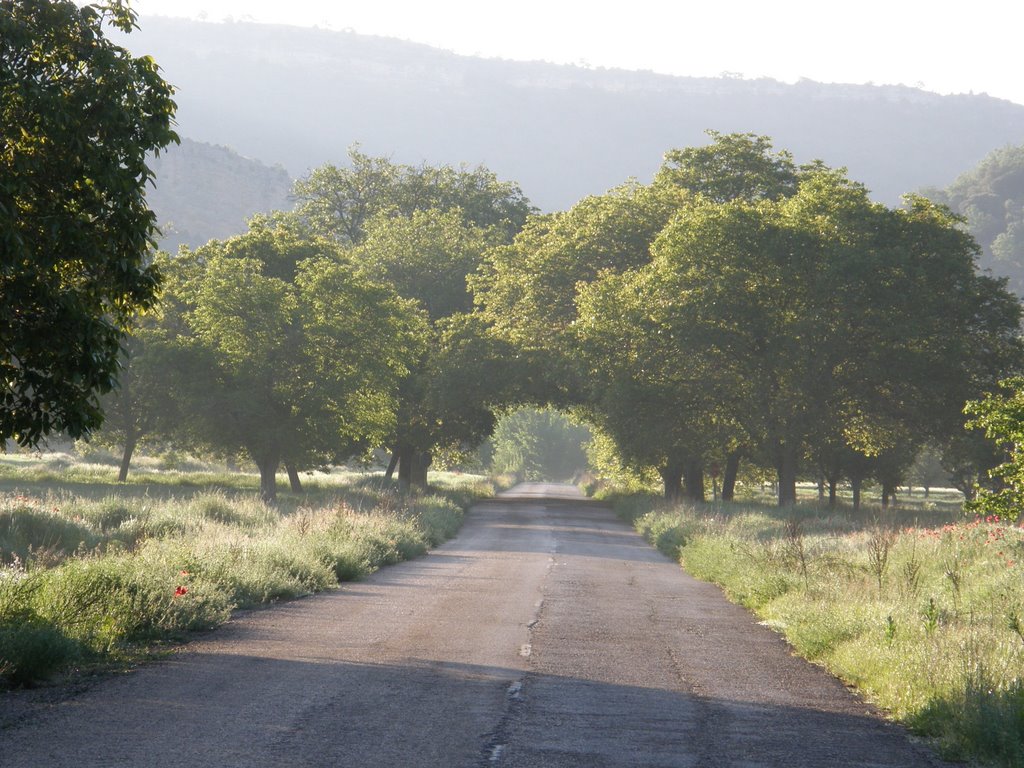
547 633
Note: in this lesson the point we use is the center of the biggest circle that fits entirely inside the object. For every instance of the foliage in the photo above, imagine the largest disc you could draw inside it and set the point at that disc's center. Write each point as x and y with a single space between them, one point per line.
773 321
423 231
343 201
1001 416
292 354
538 444
78 116
990 197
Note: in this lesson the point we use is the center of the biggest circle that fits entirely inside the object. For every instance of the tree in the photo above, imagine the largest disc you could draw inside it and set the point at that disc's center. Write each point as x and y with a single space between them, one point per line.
1001 416
424 230
295 356
463 372
812 322
341 202
145 402
78 116
990 197
832 309
539 444
640 388
735 166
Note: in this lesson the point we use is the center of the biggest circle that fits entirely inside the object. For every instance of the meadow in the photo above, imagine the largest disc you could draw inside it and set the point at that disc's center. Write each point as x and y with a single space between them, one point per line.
93 572
919 608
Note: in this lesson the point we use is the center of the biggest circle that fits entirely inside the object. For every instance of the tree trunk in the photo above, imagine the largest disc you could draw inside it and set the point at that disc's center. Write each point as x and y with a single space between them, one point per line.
833 482
672 479
404 455
126 458
855 484
391 467
412 468
268 477
732 468
888 495
693 476
420 464
821 489
293 478
787 477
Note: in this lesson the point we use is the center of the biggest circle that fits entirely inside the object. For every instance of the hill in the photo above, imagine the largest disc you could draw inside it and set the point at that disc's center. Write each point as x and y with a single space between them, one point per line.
204 191
991 197
299 97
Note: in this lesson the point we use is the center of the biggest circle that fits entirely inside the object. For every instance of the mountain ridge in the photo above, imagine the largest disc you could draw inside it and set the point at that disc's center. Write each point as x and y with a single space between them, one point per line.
299 97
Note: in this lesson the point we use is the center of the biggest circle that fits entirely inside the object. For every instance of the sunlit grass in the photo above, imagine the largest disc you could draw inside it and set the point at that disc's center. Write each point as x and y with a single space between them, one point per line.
90 569
921 610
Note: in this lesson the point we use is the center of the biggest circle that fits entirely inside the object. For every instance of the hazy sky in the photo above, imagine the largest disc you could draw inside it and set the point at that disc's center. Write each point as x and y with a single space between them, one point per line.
948 47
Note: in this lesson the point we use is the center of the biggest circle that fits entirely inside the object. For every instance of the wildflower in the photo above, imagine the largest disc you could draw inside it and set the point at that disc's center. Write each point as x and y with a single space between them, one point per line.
185 573
180 591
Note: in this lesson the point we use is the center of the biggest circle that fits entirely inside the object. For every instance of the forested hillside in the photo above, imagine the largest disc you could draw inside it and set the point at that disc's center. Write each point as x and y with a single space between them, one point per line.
991 197
299 97
205 192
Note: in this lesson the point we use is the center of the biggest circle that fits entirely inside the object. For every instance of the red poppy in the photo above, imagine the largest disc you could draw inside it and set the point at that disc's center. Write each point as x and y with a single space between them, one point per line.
180 591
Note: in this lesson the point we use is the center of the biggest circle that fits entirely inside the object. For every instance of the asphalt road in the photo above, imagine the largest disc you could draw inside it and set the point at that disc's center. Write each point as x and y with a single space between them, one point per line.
546 634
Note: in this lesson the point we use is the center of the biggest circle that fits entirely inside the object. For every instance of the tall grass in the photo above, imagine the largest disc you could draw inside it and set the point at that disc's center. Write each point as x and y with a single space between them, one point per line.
924 616
85 578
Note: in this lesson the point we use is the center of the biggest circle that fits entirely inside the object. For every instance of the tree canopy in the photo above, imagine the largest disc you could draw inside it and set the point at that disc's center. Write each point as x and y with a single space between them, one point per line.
757 308
293 355
78 116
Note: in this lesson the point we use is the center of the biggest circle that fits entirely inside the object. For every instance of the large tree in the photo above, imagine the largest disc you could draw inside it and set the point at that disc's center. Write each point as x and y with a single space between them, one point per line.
820 309
743 304
295 355
463 373
424 230
78 116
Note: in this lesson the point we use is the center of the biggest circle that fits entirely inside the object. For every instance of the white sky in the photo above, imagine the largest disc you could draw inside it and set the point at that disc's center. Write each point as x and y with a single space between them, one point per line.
943 46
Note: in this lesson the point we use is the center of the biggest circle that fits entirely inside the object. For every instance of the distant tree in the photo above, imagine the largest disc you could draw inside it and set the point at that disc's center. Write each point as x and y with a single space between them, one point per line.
927 470
990 197
463 371
341 202
78 116
145 403
536 444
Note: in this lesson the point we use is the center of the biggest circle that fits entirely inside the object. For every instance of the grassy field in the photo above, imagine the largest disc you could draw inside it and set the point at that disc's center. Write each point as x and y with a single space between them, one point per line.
92 571
920 609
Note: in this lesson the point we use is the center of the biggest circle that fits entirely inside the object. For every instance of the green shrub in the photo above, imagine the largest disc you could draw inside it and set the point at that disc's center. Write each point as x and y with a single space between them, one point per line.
31 651
109 513
27 532
439 518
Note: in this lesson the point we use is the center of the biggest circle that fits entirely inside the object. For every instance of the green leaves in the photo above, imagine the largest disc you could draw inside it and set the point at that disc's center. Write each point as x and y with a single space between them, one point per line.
77 117
1001 416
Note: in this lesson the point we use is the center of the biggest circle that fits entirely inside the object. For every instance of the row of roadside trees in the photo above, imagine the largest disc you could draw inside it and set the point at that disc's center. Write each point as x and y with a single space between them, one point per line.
321 334
744 307
738 307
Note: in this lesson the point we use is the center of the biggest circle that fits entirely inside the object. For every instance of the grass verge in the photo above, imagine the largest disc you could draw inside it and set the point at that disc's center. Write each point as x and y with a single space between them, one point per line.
88 580
922 613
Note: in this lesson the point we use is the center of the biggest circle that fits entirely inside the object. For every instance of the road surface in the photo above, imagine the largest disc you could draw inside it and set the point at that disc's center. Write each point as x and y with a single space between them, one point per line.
546 634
